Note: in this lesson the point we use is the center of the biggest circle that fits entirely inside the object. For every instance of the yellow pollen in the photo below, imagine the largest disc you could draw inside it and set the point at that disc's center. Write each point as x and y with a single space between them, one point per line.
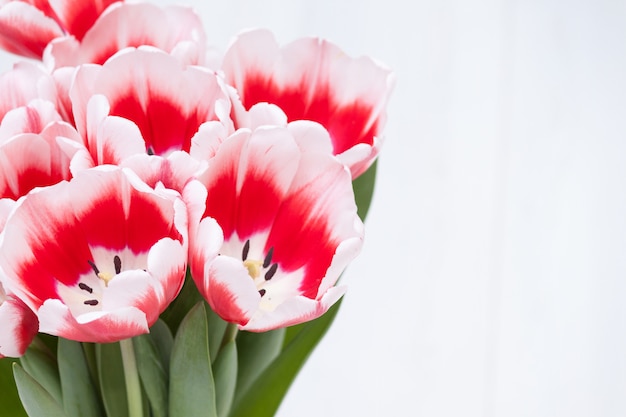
254 267
106 277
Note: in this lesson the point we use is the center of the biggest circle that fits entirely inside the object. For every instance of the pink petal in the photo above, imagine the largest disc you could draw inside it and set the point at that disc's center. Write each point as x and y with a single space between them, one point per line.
62 80
206 239
26 30
206 141
6 206
78 16
19 326
110 139
294 311
28 161
312 79
250 172
174 172
104 327
32 118
167 261
62 52
23 83
231 293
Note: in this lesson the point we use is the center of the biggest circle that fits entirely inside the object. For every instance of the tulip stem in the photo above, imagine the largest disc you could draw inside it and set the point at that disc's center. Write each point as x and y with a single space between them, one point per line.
131 377
229 334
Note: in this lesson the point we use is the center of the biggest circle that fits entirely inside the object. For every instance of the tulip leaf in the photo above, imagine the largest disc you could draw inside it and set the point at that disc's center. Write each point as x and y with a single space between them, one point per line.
163 341
35 398
192 390
264 396
89 350
80 396
225 373
11 404
42 366
217 329
364 190
255 352
153 374
112 382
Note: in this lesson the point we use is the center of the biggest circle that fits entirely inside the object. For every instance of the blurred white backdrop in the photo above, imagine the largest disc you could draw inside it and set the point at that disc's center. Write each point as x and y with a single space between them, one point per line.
493 277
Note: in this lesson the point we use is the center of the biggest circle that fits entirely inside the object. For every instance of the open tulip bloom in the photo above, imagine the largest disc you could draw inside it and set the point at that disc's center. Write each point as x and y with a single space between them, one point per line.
172 226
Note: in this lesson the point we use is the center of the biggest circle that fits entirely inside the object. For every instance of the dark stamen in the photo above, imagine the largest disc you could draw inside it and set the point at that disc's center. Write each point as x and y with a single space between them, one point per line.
262 292
268 258
118 264
246 249
85 287
270 273
91 302
94 267
150 150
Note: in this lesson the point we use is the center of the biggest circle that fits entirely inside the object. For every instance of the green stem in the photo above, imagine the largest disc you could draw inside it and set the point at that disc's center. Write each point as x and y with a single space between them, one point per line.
131 377
229 334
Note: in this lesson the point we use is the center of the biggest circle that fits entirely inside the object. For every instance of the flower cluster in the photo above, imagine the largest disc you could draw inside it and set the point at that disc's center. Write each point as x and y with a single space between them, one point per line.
128 157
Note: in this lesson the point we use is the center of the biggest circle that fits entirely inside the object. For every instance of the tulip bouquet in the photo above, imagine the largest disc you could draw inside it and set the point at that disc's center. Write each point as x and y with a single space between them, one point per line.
173 223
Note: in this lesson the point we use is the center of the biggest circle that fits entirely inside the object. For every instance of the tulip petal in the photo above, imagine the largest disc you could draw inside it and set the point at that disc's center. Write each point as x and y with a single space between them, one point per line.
26 30
232 293
28 161
105 327
78 16
312 79
107 261
25 82
19 326
134 25
295 310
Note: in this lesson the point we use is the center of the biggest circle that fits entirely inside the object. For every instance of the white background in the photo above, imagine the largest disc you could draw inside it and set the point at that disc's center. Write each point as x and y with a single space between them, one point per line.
492 281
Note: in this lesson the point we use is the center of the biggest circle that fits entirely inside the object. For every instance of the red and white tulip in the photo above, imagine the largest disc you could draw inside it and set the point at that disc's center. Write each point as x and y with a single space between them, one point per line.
167 100
280 225
109 257
312 79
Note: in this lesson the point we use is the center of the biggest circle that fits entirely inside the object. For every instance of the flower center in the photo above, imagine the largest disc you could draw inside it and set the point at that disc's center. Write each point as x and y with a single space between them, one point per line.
104 276
256 267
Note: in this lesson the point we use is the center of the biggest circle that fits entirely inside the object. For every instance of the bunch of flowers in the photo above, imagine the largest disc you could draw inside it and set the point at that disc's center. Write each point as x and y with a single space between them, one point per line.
198 211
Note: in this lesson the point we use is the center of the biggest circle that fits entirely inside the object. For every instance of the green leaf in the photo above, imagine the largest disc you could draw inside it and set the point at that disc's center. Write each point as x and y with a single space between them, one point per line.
89 350
264 396
80 396
225 372
153 374
255 352
192 390
364 190
112 382
217 328
178 309
42 366
10 403
163 341
36 399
